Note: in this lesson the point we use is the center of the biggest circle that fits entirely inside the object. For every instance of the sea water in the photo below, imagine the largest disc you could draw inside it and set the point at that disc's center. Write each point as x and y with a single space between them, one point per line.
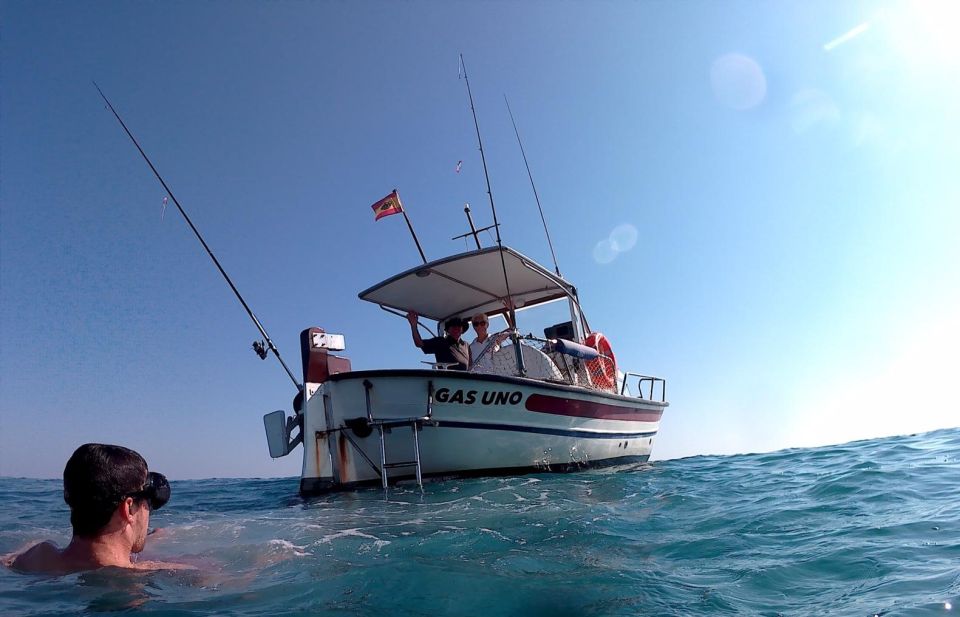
865 528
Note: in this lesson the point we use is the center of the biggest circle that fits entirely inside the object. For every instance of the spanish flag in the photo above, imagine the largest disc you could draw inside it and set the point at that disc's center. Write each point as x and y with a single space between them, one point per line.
387 206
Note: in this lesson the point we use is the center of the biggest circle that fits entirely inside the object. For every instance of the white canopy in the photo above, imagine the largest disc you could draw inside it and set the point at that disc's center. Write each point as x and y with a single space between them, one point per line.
469 283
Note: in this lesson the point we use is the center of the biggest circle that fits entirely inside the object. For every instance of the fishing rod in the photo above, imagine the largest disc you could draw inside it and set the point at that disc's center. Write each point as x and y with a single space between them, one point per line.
556 266
258 346
496 225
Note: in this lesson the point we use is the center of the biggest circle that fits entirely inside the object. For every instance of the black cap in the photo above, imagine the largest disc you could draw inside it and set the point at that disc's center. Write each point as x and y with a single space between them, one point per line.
457 321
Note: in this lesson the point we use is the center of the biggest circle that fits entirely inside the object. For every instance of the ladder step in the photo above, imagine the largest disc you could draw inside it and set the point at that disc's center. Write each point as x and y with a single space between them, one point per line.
400 464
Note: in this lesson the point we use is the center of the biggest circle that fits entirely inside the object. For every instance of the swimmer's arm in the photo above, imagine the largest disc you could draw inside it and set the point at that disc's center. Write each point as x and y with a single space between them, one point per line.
163 565
154 533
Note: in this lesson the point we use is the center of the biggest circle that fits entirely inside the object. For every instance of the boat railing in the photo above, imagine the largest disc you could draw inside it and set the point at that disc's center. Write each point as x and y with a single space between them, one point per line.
653 386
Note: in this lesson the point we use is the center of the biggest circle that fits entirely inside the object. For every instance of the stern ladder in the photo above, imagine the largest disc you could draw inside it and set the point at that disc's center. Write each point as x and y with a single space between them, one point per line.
383 425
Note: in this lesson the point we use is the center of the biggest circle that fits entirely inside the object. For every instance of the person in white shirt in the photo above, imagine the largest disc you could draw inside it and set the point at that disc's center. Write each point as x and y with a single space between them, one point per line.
480 324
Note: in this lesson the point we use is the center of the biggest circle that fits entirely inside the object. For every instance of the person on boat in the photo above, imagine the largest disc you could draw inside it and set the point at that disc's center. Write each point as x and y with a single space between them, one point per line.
449 349
110 494
480 324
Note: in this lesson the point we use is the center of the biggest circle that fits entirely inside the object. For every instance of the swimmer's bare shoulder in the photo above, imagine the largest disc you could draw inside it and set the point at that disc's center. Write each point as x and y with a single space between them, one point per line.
42 557
46 558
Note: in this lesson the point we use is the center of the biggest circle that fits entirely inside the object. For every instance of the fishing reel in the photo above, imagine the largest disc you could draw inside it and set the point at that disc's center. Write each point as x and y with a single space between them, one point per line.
261 348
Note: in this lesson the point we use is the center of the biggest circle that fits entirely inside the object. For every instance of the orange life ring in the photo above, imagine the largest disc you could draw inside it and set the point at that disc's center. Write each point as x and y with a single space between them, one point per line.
603 370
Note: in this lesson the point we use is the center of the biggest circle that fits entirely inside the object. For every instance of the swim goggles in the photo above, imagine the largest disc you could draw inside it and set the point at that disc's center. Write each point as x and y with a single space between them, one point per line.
156 490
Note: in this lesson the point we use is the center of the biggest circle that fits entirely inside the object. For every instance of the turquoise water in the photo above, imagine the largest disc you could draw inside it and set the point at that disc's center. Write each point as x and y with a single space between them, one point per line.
865 528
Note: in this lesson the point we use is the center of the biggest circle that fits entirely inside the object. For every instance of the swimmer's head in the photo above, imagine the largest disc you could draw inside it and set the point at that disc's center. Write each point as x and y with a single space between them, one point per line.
98 477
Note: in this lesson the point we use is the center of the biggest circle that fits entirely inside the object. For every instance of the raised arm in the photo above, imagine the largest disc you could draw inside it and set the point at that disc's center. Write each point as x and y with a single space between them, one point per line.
414 331
511 311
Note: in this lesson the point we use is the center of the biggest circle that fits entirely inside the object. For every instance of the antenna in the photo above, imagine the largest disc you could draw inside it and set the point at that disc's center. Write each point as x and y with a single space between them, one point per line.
473 229
493 208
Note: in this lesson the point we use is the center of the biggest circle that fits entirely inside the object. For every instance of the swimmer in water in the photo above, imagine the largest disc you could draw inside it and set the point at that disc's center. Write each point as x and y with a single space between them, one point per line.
110 494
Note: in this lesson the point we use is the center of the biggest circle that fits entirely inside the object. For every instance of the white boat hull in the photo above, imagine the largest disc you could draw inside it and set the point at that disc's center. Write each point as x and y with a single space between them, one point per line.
468 424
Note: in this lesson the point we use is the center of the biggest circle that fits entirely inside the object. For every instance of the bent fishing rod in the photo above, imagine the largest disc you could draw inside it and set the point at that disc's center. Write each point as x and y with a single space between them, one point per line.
260 347
556 266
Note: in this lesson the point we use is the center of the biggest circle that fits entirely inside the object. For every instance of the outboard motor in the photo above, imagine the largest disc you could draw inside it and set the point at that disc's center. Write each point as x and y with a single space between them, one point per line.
318 365
318 362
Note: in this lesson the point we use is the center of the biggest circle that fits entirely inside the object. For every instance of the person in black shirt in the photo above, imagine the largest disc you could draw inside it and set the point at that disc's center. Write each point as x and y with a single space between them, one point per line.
448 349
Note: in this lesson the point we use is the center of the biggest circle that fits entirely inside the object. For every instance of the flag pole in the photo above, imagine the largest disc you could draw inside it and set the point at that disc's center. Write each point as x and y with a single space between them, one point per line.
403 211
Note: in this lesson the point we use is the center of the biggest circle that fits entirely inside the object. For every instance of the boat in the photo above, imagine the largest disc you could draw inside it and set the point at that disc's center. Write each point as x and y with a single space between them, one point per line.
529 403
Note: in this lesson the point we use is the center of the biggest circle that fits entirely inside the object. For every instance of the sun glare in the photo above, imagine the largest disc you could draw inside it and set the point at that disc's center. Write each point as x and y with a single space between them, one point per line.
847 36
924 32
912 390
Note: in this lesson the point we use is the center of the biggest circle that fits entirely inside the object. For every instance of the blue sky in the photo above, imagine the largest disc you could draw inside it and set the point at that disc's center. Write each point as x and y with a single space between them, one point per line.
758 201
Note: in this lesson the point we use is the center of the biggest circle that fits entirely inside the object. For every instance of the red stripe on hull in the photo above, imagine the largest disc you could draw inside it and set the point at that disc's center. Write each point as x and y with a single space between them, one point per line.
586 409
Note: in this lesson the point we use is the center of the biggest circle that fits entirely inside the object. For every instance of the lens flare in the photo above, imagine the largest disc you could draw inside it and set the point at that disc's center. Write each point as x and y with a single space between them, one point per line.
623 237
604 252
738 81
810 108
